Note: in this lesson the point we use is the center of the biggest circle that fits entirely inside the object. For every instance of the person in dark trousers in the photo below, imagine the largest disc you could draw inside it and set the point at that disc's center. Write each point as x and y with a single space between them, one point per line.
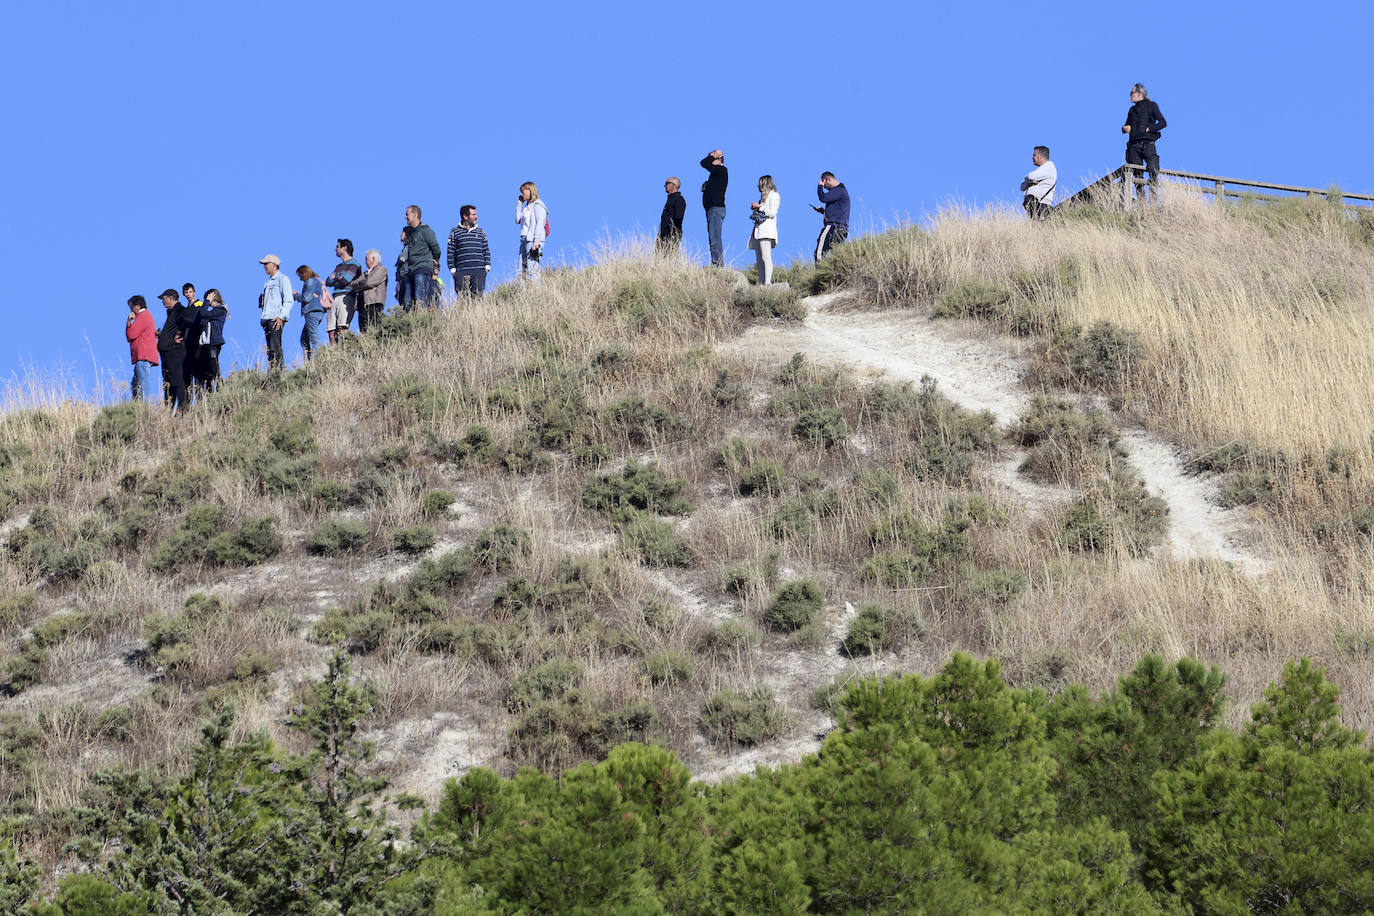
469 255
713 199
421 267
193 306
835 213
275 303
1144 121
1038 185
213 314
371 288
171 347
670 221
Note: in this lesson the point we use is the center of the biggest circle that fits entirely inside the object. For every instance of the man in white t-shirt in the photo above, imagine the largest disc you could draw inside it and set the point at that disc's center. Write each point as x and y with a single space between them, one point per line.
1039 185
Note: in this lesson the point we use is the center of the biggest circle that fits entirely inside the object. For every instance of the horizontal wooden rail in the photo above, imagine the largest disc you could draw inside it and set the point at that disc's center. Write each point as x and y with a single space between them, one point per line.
1215 185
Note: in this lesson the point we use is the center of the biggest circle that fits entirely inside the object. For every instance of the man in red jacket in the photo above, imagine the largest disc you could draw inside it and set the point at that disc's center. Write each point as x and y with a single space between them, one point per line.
141 332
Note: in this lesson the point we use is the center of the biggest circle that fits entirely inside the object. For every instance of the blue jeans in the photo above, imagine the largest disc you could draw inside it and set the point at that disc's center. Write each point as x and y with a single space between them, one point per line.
715 222
416 288
529 267
143 377
310 334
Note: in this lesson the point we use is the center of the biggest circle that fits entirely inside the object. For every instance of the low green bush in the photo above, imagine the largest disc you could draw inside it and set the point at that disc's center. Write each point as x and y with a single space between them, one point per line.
501 548
549 680
879 628
1100 358
775 301
794 606
745 718
641 423
256 541
436 502
413 539
654 541
1120 513
1068 445
337 535
637 486
668 668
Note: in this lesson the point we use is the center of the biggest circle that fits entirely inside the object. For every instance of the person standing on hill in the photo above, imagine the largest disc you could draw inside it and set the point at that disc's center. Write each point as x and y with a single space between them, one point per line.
213 314
171 346
371 286
670 221
312 309
1038 185
532 215
141 332
1144 121
713 199
832 193
469 255
275 303
345 302
764 238
421 255
193 307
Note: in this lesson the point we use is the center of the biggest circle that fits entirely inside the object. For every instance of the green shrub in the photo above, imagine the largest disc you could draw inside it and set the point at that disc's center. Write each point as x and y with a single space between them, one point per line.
444 572
668 668
436 502
877 628
792 519
253 665
555 734
728 390
17 609
993 586
1119 514
794 606
1067 445
547 681
743 718
654 541
501 548
641 422
413 539
894 569
770 301
638 486
116 425
256 541
22 670
332 495
975 299
751 575
1101 358
335 536
824 426
730 637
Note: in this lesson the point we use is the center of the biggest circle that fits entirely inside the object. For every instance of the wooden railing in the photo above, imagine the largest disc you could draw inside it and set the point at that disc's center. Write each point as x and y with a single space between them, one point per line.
1118 185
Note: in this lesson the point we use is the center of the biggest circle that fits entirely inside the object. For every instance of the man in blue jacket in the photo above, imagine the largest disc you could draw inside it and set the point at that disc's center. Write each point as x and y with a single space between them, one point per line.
1144 121
832 193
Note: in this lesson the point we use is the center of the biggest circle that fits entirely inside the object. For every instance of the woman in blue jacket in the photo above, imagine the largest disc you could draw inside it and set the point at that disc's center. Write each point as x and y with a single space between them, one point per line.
211 327
312 309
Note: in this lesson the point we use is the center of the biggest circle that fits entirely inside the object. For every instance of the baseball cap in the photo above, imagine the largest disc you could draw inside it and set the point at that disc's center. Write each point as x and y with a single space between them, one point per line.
271 257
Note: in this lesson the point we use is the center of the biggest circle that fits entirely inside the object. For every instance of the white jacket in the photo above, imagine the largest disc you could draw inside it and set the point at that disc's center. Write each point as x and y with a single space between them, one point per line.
767 229
531 217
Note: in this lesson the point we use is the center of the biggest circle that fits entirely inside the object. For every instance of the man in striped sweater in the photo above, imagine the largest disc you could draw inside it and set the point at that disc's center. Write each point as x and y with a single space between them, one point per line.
469 256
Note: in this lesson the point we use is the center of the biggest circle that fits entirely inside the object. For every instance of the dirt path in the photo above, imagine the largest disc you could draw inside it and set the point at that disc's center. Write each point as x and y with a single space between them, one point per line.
980 370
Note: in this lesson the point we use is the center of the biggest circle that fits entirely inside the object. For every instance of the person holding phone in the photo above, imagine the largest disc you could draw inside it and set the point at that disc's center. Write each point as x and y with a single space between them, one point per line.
532 215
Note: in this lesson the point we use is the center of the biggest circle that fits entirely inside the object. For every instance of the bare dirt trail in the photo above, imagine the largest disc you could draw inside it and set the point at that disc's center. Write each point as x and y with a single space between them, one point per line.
981 371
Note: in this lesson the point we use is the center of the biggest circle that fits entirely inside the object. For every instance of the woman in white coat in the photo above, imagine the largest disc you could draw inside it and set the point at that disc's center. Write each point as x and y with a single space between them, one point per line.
532 216
764 238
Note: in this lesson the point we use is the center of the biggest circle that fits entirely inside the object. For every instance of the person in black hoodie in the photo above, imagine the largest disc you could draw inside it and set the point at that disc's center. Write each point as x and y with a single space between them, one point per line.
1144 121
670 222
171 349
713 199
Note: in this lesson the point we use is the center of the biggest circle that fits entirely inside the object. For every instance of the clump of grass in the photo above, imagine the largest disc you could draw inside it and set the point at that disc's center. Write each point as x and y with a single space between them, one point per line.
1100 358
753 472
880 628
744 718
337 536
638 486
501 548
640 422
257 540
1067 445
549 680
794 606
556 734
668 668
413 539
775 301
1119 513
653 541
729 638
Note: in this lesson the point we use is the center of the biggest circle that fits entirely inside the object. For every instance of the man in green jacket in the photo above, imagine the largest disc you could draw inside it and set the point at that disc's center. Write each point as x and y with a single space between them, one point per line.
419 263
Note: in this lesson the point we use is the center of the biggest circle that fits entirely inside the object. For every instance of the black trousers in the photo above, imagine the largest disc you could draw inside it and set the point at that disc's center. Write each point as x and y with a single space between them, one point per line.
275 358
831 235
1142 152
369 315
207 368
1036 208
174 379
470 282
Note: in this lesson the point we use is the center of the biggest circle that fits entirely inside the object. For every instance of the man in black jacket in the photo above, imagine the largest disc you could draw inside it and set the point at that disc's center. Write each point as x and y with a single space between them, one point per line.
171 349
1143 124
670 222
713 199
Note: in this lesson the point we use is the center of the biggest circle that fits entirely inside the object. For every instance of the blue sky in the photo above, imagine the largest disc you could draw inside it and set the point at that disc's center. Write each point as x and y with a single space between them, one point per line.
156 143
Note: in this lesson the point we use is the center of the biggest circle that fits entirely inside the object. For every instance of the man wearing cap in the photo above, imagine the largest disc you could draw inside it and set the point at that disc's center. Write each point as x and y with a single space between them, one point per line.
670 220
171 346
275 303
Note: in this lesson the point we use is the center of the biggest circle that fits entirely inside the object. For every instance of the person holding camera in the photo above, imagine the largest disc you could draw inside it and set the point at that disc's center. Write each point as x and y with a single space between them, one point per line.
764 238
834 197
532 215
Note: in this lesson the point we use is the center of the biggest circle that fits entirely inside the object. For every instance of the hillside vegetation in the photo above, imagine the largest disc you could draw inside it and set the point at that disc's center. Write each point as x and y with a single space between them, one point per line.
562 519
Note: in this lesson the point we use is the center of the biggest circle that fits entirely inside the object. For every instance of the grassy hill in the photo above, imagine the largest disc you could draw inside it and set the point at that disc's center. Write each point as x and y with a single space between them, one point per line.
568 517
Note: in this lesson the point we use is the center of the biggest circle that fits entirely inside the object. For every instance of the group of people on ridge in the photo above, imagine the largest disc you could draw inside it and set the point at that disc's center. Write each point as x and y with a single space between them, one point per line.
1144 121
763 214
187 345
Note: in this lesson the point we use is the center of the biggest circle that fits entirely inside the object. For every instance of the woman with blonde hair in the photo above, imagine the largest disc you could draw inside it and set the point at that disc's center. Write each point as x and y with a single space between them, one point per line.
764 238
532 215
